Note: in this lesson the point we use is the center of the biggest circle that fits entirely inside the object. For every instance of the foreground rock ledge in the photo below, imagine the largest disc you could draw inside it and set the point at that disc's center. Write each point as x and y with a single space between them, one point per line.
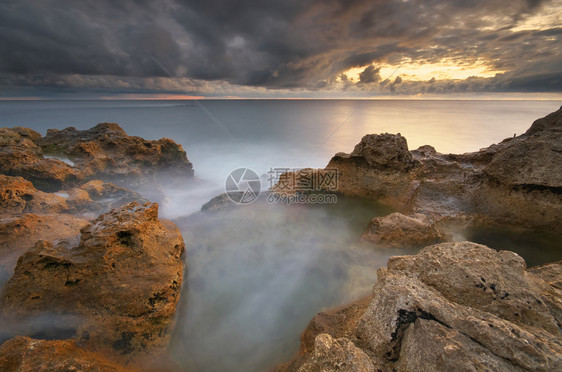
122 281
453 306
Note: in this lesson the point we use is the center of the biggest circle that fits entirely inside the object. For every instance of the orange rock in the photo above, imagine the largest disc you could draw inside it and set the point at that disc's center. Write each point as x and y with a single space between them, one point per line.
18 195
26 354
123 279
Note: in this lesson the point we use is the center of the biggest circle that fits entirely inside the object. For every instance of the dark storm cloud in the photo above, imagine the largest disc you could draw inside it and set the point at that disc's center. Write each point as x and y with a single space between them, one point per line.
272 44
370 75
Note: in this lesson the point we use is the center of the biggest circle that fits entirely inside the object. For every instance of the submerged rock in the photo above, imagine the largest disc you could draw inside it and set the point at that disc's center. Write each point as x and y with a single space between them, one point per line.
454 306
17 195
399 231
122 279
341 353
218 203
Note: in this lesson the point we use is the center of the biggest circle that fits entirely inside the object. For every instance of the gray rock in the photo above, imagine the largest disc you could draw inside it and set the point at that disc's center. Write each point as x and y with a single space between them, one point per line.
337 355
384 151
454 306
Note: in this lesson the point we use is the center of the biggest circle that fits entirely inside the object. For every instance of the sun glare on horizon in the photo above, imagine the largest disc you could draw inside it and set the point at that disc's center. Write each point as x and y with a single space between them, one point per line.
446 69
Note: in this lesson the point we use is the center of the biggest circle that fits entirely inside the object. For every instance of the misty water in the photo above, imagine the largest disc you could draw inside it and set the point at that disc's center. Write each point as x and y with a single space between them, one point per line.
258 273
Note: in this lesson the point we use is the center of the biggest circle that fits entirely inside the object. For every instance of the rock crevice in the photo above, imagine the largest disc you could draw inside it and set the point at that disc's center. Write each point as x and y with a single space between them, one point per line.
430 311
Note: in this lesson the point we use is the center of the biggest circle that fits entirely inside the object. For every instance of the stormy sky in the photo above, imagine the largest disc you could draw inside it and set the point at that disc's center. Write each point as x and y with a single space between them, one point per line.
278 48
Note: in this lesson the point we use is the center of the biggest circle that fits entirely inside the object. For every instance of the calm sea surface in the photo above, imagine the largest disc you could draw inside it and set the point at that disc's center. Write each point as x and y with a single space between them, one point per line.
258 274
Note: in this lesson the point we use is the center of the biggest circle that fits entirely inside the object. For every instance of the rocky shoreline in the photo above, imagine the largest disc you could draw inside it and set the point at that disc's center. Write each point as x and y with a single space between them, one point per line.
96 275
516 183
451 307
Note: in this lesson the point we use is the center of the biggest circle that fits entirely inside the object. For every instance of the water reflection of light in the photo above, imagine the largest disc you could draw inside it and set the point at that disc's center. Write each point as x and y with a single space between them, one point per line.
449 126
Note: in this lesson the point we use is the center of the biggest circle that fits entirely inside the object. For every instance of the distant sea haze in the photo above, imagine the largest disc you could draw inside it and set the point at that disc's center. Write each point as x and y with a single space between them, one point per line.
265 134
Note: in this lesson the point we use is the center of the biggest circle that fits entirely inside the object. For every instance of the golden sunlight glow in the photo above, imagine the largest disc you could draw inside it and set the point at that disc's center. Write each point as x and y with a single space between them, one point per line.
549 17
416 71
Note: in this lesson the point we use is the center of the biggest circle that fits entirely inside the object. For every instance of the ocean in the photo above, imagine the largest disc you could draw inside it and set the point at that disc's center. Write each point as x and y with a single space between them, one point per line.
222 135
256 275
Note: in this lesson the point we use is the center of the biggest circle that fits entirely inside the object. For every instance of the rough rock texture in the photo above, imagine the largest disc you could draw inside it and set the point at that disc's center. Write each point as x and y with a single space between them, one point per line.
22 354
98 197
23 231
454 306
341 353
20 156
516 182
122 279
384 151
107 151
112 285
550 273
359 174
18 195
397 230
20 232
534 159
104 151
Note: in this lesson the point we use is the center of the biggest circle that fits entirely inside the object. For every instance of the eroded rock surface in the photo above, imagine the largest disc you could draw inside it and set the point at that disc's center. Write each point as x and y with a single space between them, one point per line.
108 152
454 306
122 279
22 354
341 353
102 152
21 156
108 284
20 232
97 197
17 195
359 173
398 231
